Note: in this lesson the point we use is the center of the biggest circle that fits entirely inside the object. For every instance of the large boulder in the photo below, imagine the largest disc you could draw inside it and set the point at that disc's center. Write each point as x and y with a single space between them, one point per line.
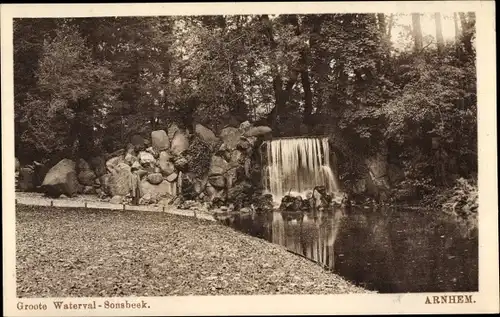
156 192
146 159
231 137
245 126
61 179
155 178
25 181
217 181
86 177
98 165
159 140
166 166
258 131
113 162
218 165
180 143
205 133
172 130
121 181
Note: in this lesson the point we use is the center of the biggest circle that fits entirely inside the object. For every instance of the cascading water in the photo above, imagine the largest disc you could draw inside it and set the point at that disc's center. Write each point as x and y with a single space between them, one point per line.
298 165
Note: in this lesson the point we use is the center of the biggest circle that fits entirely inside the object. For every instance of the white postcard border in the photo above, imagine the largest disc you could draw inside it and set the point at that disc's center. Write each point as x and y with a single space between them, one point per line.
486 300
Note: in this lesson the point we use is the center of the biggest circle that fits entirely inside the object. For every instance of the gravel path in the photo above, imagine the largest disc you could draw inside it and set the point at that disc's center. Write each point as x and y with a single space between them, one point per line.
72 252
91 201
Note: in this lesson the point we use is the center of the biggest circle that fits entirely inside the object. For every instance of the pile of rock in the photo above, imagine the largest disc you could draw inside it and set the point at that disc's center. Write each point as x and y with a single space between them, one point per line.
156 171
317 199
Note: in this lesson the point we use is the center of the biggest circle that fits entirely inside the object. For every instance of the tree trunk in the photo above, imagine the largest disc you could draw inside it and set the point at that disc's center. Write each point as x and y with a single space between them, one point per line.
439 32
281 95
381 23
306 85
417 32
457 30
468 24
389 28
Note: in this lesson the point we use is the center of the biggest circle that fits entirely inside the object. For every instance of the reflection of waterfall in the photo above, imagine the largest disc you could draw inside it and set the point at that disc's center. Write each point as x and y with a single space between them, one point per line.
278 231
298 165
323 230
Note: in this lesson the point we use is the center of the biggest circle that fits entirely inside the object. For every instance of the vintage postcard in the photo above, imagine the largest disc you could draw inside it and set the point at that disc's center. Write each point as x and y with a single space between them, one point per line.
249 158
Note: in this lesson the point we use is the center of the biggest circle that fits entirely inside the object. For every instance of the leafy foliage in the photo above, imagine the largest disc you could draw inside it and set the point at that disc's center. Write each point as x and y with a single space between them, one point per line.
86 85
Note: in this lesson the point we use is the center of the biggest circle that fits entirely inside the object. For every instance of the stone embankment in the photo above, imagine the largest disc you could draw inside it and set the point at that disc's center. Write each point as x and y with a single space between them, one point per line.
171 166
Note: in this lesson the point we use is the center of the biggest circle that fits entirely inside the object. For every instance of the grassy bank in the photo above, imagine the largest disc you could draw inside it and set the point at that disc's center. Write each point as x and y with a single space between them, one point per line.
71 252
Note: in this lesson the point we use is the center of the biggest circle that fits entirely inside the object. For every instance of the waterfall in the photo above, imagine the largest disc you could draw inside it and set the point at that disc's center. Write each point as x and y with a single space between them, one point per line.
297 165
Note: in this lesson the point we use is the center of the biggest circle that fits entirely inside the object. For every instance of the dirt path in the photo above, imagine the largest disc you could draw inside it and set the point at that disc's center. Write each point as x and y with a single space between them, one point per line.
91 201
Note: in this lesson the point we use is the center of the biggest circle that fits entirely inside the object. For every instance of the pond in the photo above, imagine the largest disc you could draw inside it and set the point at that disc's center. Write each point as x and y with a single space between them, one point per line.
389 250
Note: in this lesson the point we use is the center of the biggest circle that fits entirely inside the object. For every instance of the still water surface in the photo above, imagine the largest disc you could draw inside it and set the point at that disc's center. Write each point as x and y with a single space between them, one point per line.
390 251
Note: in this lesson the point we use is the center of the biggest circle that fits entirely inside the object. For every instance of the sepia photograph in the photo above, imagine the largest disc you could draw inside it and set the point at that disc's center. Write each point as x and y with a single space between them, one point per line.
269 153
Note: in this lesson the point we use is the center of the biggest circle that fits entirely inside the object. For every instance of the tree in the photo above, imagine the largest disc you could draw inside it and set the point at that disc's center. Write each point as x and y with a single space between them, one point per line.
439 32
417 32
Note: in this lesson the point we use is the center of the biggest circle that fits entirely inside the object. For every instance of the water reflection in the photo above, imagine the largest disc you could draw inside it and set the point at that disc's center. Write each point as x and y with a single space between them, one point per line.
388 250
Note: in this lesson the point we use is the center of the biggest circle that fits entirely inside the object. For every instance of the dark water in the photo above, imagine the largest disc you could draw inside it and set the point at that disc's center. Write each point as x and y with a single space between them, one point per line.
391 251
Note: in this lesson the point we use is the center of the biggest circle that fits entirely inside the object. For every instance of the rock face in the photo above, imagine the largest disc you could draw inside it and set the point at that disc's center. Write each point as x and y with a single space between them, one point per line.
159 140
61 179
218 165
155 178
120 182
205 133
258 131
180 143
230 136
377 166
